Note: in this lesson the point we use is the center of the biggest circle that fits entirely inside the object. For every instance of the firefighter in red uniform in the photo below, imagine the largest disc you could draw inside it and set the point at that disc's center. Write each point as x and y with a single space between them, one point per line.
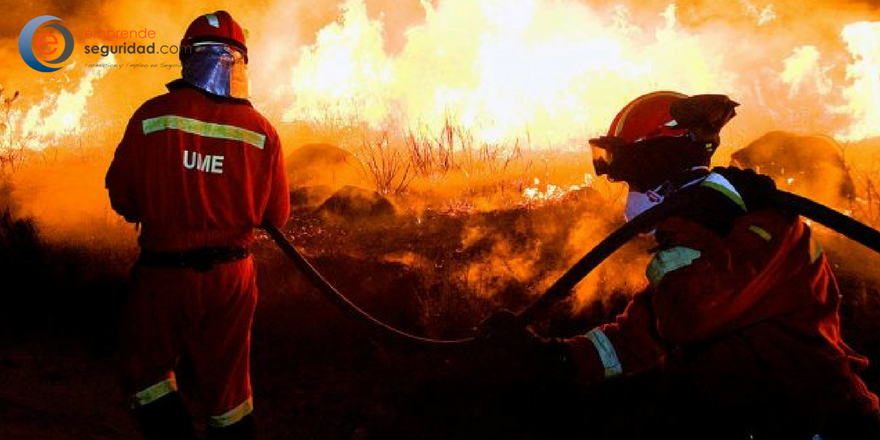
199 168
741 314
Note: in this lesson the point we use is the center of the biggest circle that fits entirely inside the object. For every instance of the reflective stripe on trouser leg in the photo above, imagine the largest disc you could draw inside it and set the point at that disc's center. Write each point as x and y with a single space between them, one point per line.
220 348
154 392
232 416
606 351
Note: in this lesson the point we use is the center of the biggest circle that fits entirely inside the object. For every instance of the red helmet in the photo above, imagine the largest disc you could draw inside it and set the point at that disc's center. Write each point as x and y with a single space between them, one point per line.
647 117
217 27
660 134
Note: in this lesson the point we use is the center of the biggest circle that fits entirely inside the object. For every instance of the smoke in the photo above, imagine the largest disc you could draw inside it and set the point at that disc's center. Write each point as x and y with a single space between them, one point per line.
530 248
503 264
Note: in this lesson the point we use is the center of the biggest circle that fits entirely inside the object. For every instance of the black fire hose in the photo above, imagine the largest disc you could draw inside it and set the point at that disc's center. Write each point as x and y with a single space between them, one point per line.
563 287
351 310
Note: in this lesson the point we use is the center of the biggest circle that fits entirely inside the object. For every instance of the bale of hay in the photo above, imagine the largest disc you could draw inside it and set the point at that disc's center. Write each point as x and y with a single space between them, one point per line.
310 196
322 164
811 166
353 203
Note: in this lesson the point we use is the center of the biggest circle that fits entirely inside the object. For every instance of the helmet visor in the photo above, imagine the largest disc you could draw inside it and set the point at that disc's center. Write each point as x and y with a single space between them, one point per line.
219 69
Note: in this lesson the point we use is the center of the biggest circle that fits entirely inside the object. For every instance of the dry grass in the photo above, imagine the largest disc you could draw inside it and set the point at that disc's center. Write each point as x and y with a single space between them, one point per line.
449 167
433 154
863 163
12 144
386 165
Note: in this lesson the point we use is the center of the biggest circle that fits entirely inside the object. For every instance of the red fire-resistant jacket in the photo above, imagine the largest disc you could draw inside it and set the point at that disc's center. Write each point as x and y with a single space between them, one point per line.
198 171
748 316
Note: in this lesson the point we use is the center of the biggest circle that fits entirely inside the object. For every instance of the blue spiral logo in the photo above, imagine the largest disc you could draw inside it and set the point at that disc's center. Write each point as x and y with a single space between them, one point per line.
27 36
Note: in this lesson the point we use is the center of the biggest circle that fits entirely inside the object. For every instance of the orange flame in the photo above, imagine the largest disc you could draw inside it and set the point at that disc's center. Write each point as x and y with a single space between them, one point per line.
54 117
556 72
863 94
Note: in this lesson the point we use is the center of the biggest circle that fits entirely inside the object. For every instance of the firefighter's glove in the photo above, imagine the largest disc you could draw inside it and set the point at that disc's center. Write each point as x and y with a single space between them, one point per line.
756 189
505 330
546 357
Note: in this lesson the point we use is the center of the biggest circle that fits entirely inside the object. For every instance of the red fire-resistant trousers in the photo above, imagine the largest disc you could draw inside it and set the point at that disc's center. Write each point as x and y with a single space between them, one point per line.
209 315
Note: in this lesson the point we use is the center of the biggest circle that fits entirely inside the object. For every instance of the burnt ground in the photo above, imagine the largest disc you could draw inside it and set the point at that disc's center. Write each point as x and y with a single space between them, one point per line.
316 374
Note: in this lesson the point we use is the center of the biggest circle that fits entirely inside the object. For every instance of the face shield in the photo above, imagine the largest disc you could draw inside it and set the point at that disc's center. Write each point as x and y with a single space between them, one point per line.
219 69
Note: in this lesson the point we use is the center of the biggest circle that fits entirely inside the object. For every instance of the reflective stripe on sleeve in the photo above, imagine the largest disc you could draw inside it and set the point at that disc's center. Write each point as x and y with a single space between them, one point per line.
669 260
761 232
232 416
815 250
719 183
204 129
606 351
154 392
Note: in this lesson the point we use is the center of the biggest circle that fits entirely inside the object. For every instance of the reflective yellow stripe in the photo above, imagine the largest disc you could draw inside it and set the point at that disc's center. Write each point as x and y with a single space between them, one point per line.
761 232
669 260
722 185
155 392
204 129
606 351
815 250
233 415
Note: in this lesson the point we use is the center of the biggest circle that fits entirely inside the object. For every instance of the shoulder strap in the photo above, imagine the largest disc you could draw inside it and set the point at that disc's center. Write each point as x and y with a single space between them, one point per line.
719 208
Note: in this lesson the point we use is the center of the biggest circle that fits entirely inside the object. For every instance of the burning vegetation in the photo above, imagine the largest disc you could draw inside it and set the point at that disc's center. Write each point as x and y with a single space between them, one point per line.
472 103
439 170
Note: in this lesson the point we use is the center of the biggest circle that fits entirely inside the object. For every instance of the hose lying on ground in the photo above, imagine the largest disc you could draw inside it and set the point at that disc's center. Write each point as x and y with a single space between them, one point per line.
351 310
564 286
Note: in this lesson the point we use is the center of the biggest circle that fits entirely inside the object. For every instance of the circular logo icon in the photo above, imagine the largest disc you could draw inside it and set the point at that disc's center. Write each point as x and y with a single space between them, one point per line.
44 44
